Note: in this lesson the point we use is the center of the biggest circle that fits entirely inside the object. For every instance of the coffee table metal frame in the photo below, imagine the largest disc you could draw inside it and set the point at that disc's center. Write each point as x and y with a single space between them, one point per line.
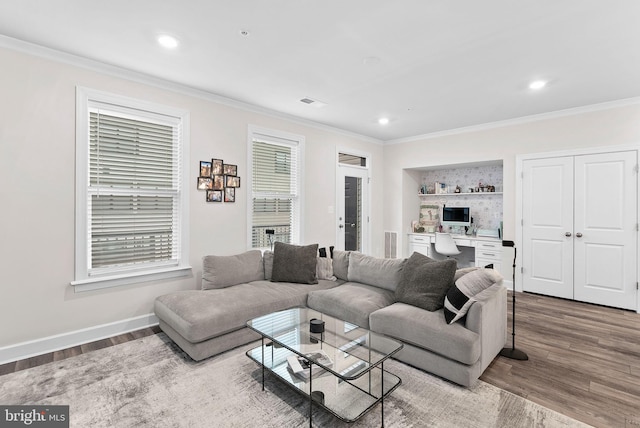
358 356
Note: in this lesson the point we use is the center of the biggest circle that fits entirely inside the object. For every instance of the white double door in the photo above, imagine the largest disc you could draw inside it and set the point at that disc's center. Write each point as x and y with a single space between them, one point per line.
580 228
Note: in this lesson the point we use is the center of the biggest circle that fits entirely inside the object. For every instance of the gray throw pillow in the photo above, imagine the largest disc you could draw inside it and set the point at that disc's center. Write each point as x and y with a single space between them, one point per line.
341 264
294 263
267 258
425 282
225 271
382 273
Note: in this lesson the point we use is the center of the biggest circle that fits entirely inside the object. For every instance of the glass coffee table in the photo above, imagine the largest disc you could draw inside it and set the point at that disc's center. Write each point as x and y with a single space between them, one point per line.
349 383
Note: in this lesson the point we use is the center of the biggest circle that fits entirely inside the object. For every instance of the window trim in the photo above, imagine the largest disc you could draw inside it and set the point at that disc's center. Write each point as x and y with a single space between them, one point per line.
82 281
257 132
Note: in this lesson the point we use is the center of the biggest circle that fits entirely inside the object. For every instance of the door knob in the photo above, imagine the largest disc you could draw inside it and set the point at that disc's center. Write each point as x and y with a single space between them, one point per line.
567 234
579 235
353 225
341 226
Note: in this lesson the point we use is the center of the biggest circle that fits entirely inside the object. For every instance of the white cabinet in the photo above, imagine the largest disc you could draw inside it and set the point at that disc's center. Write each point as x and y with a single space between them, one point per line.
476 251
420 244
489 253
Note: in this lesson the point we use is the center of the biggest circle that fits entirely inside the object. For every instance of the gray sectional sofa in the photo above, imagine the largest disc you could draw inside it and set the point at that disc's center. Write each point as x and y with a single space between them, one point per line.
360 289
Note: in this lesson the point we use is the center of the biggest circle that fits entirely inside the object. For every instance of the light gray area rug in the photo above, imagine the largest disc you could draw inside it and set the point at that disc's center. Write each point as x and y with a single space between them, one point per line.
149 382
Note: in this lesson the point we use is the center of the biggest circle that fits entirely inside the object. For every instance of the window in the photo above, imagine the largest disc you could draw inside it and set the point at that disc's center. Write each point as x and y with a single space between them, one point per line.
275 161
130 199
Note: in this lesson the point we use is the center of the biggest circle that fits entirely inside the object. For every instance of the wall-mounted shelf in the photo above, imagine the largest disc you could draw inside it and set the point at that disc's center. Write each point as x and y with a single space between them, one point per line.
459 194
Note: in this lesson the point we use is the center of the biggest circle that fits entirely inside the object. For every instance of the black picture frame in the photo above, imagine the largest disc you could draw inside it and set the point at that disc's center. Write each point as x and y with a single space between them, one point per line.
218 182
229 169
217 166
205 169
214 195
229 194
205 183
231 181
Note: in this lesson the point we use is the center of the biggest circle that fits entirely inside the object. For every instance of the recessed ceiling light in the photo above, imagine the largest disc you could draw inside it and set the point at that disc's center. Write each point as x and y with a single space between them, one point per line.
167 41
383 120
537 84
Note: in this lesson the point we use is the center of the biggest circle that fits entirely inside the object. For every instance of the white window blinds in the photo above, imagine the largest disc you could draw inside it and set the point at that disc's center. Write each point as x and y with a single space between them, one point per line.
133 196
275 191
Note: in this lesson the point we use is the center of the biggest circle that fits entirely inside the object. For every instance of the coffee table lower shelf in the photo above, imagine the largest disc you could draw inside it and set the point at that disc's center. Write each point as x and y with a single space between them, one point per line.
348 400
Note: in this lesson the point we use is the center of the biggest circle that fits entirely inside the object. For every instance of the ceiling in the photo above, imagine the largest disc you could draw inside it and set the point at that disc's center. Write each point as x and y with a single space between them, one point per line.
428 66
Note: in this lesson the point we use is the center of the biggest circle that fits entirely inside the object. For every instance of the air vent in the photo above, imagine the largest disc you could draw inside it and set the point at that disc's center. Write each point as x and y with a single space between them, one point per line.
390 245
311 101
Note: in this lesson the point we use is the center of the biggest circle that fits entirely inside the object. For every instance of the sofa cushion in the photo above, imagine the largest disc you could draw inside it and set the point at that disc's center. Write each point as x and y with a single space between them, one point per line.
200 315
351 302
225 271
424 281
427 330
467 290
341 264
383 273
294 263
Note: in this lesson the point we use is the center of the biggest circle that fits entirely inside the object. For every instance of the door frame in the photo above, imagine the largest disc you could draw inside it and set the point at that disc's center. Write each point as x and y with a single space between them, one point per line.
366 208
520 189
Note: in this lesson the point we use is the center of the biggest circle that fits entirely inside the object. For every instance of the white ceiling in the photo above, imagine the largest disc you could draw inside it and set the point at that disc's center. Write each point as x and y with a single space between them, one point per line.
429 65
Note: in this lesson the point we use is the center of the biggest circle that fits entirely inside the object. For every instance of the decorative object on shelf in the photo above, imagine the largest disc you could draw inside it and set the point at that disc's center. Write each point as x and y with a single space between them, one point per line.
220 180
458 190
429 218
513 353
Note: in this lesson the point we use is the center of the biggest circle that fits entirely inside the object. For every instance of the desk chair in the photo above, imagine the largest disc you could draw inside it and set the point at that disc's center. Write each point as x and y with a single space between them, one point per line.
445 245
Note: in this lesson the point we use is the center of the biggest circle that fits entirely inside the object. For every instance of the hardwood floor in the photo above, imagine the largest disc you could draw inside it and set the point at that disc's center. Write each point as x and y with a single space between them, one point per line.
584 360
76 350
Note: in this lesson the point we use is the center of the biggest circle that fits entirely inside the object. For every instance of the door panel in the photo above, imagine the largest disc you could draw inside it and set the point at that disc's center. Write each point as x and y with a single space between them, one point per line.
605 225
352 209
547 219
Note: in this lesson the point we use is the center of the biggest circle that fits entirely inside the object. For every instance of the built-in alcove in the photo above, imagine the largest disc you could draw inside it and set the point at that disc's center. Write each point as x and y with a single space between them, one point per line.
486 206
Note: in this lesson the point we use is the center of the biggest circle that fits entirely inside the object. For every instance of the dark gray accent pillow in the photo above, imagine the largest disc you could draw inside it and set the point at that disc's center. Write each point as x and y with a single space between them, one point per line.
425 282
294 263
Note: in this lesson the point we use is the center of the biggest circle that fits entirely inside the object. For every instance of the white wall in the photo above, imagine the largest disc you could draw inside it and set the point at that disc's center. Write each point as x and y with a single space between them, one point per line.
37 155
610 126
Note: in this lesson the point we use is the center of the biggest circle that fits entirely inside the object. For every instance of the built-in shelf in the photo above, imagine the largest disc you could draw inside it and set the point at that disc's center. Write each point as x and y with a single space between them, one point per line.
460 194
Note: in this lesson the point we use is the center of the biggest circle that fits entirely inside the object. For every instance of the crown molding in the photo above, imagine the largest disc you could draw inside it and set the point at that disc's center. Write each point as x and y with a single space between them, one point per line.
147 79
520 120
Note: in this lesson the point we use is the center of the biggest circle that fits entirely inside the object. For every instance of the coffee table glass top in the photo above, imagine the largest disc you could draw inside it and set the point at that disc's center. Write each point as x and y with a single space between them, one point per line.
353 350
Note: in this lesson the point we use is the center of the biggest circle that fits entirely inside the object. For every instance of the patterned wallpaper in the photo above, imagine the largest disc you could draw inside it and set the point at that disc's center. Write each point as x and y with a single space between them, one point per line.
486 208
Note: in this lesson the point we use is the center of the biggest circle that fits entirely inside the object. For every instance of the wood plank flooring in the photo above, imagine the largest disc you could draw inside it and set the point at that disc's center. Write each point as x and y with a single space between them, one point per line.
584 360
76 350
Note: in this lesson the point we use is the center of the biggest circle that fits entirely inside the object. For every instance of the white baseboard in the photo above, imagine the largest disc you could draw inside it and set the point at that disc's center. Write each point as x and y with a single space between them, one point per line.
45 345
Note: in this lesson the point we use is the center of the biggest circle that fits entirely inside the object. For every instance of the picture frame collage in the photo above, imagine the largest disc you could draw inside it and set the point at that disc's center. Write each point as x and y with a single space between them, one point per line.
219 180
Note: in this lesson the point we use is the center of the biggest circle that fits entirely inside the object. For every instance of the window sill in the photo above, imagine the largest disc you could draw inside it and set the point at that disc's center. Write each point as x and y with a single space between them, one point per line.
91 284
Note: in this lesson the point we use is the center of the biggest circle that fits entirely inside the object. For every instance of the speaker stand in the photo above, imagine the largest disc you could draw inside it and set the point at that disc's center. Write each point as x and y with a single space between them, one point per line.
513 353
